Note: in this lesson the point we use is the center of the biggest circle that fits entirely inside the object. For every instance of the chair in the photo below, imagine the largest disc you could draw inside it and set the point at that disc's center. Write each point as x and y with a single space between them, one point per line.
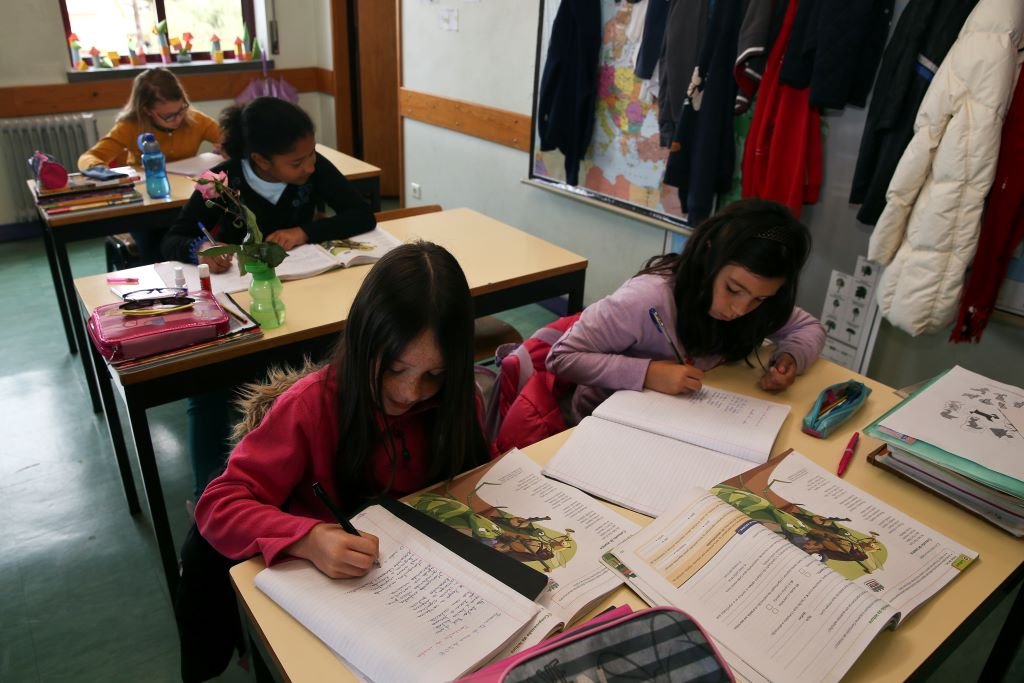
489 332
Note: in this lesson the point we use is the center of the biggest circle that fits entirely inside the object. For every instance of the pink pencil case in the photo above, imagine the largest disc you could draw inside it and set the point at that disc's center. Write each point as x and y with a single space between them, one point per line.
120 337
659 643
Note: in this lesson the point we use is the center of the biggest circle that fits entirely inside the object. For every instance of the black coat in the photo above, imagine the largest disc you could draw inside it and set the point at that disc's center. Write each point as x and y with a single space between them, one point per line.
922 37
566 107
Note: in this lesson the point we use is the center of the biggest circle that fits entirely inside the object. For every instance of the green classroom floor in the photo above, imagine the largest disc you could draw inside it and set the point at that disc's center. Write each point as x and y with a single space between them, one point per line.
82 596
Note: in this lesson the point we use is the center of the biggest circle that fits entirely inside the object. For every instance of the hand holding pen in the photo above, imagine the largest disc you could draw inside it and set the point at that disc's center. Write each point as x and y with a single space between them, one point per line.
218 264
781 374
668 377
339 551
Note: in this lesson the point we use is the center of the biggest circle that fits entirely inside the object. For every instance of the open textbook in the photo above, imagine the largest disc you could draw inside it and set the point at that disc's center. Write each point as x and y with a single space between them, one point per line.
639 449
555 529
303 261
424 615
791 570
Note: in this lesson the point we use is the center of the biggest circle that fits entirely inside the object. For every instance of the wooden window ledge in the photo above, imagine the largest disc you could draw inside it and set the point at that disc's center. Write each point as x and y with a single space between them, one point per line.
199 66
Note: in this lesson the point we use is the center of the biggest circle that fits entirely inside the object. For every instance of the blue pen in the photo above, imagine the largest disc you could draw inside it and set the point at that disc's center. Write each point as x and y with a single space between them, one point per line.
660 324
206 233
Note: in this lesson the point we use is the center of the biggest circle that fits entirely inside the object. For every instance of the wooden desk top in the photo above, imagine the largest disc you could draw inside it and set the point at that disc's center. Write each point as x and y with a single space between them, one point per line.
350 167
893 656
182 188
494 256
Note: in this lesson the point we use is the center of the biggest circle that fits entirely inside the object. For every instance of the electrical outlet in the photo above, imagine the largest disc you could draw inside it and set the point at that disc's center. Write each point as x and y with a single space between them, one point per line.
417 191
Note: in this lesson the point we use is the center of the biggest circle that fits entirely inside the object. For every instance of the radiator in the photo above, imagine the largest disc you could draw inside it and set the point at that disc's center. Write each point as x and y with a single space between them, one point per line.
63 136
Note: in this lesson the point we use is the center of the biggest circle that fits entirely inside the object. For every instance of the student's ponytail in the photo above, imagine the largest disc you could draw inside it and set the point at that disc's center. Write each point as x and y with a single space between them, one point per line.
233 140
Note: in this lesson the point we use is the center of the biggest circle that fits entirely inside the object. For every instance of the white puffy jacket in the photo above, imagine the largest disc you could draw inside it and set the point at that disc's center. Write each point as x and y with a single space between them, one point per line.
928 232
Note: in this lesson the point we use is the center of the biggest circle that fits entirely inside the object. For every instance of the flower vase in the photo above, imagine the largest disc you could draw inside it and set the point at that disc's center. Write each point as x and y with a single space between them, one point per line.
266 306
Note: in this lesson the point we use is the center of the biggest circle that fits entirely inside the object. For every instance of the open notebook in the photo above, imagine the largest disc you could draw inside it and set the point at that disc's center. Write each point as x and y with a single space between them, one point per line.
425 615
639 448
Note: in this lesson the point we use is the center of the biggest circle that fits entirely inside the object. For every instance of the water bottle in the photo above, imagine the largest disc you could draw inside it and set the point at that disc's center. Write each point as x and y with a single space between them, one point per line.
155 165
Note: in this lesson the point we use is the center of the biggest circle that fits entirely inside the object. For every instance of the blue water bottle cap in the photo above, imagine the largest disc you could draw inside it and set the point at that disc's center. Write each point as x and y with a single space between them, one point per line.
143 139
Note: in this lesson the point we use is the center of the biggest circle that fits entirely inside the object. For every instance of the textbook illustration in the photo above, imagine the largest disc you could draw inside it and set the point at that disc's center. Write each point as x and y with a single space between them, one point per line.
549 526
521 537
790 569
828 538
968 415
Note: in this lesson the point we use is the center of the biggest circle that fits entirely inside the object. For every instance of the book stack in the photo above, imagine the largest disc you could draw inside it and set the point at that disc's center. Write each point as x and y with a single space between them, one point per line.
83 193
959 437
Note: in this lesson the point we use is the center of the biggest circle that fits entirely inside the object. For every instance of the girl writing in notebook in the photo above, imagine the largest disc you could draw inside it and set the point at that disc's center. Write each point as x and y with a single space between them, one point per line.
282 179
395 411
733 285
159 105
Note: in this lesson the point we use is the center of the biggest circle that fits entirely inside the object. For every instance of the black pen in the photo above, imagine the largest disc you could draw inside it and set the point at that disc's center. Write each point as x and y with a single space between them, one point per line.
343 521
659 323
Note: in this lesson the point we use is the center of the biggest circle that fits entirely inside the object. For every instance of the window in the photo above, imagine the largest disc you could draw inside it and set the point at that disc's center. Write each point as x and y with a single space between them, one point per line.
117 26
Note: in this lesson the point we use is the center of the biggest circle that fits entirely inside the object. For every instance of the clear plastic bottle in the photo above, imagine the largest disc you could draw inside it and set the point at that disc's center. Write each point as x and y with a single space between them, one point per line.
266 307
155 165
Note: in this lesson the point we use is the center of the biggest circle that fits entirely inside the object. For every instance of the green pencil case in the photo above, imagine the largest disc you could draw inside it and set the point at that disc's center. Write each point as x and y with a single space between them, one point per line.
834 406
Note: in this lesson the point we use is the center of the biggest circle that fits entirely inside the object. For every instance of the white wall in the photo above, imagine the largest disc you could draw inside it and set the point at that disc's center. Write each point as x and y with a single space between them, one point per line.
33 52
490 61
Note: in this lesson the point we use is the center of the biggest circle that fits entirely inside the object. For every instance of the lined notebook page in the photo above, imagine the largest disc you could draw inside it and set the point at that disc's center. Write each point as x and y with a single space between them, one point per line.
636 469
424 615
729 423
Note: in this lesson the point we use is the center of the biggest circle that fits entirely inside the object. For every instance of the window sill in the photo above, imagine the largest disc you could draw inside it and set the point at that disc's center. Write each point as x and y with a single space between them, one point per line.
199 66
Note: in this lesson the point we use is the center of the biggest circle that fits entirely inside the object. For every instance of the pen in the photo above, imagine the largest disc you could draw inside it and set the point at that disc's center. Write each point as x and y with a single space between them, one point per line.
656 317
206 233
122 280
844 462
342 520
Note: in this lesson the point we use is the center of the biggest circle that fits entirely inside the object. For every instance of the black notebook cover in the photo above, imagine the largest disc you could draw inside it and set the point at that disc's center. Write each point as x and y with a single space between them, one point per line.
512 573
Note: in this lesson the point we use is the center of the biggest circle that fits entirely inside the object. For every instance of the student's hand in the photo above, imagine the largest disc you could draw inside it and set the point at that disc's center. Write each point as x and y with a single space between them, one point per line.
289 238
218 264
669 377
337 553
780 375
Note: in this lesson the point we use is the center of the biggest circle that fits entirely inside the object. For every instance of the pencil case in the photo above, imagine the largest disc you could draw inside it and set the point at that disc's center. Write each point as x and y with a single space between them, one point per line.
119 337
618 645
834 406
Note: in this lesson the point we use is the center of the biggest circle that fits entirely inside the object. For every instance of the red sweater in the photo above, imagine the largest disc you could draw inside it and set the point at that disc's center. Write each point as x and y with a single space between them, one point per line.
264 500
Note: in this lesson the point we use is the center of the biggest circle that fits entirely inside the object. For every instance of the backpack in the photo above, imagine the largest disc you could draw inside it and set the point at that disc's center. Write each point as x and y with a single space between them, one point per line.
527 398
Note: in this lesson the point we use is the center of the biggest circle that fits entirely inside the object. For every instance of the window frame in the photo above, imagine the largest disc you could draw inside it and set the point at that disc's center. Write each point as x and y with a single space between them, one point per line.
248 20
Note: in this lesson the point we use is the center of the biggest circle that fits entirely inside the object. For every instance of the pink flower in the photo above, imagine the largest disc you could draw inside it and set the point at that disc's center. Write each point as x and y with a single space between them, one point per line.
210 184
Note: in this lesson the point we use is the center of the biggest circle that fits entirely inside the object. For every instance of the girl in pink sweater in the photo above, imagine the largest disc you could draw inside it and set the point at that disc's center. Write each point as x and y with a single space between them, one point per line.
395 411
733 285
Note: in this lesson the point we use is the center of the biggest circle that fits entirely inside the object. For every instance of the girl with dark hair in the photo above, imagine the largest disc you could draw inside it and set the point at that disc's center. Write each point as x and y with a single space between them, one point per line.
287 185
273 162
733 285
396 410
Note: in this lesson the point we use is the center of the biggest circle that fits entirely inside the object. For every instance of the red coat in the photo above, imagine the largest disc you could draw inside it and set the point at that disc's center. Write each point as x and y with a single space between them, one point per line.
782 157
528 393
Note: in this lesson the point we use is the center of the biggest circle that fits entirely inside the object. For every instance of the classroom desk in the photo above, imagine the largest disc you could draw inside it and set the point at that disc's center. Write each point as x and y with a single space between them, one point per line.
150 214
505 268
917 647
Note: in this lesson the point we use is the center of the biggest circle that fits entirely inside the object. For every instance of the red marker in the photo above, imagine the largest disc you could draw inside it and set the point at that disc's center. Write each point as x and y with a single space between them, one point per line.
844 462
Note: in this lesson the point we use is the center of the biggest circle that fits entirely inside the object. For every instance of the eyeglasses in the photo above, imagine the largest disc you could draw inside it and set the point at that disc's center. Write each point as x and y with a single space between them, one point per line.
156 301
167 118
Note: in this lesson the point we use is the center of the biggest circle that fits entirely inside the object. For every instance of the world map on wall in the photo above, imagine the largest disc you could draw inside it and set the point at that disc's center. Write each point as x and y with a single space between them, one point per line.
625 159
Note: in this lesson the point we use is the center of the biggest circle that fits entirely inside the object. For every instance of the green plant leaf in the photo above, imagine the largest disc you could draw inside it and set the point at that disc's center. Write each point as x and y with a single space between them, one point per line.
251 224
272 253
